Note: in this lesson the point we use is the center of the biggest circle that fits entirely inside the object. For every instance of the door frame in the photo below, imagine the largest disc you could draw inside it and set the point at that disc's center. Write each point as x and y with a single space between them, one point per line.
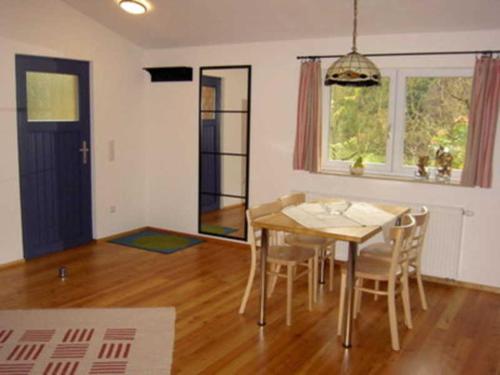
24 63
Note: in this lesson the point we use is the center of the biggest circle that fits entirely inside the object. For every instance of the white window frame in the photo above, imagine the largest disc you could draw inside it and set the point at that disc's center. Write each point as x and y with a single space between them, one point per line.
343 166
394 165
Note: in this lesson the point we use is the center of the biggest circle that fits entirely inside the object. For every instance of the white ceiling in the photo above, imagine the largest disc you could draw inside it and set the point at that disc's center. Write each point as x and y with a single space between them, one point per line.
175 23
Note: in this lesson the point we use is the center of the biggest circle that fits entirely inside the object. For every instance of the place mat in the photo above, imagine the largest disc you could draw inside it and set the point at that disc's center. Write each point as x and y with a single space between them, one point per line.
338 214
87 341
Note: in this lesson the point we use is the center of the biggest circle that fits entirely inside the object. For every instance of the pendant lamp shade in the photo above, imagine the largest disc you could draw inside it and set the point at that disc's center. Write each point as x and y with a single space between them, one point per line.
353 69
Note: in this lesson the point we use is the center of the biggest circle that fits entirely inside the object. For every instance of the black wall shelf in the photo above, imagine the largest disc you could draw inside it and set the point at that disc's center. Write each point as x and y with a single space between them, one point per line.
170 74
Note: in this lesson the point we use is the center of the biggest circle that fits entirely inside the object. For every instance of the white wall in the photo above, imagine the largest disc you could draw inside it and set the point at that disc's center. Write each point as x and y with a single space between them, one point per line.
52 28
172 158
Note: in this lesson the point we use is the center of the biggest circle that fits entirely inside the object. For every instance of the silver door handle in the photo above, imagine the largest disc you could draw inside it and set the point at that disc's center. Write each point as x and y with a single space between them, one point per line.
84 150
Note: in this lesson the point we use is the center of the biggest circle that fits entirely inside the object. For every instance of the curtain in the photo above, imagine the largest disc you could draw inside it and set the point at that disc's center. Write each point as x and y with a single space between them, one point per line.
483 117
307 152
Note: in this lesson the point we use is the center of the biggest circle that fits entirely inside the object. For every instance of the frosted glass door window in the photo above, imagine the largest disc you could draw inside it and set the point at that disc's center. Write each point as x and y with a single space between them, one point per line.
52 97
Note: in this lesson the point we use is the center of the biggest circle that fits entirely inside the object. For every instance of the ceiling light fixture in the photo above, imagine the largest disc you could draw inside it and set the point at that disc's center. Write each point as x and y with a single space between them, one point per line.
353 69
133 7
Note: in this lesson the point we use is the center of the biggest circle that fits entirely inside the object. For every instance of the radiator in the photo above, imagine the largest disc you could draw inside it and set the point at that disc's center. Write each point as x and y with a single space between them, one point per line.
443 245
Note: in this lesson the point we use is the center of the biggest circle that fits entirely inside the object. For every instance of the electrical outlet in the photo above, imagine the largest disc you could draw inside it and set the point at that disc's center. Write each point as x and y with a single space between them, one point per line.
112 209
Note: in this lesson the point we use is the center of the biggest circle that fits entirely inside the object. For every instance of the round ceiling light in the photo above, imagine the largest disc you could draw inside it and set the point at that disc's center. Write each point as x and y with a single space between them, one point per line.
133 7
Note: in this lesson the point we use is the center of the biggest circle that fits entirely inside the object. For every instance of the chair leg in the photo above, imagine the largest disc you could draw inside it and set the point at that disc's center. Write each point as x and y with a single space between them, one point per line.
248 288
357 297
405 294
423 299
273 280
377 288
289 291
340 323
393 321
310 281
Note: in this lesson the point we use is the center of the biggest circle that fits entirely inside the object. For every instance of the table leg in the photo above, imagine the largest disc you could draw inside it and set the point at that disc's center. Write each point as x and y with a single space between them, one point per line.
349 311
322 270
263 276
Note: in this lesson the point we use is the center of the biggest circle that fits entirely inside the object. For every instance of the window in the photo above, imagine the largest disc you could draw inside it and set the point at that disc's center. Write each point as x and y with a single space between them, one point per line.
410 114
52 96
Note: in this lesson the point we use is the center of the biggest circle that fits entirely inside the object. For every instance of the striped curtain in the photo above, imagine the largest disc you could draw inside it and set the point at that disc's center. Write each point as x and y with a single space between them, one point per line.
307 152
483 117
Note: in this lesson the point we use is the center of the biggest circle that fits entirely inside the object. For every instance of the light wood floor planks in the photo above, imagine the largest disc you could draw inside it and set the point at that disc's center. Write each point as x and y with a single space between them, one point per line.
460 334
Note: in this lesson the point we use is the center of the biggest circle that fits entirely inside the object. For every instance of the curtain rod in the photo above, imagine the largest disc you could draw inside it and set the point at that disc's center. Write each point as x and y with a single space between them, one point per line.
484 52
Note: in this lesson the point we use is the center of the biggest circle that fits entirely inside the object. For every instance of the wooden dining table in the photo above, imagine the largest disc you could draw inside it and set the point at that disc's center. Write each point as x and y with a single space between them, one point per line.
353 235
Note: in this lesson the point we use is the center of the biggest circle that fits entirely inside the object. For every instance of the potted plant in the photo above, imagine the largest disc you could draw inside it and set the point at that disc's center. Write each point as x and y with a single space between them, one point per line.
357 169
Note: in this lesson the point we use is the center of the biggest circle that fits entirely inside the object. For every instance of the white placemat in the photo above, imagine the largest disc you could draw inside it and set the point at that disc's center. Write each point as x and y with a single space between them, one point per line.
341 214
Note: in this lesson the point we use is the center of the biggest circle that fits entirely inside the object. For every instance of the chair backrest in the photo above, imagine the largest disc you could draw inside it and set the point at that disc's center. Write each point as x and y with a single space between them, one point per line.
401 238
293 199
254 213
421 221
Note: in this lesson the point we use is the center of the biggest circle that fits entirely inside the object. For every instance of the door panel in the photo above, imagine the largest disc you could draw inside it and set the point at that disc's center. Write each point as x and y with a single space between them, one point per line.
54 177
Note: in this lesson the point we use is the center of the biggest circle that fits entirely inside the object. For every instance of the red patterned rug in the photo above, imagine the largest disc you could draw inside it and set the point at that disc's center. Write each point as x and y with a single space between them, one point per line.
87 341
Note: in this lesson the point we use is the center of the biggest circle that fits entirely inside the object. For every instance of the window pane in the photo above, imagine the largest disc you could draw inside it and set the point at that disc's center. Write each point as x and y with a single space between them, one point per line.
437 111
359 122
52 97
208 102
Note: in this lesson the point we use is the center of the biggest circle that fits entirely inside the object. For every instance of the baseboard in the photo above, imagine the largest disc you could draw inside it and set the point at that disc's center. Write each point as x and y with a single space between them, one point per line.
463 284
12 264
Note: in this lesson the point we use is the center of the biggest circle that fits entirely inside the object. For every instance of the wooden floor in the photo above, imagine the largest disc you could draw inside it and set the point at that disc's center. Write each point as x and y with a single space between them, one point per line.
460 334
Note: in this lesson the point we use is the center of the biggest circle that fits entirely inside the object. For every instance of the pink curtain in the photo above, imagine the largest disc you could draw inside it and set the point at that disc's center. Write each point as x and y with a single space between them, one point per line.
483 117
307 152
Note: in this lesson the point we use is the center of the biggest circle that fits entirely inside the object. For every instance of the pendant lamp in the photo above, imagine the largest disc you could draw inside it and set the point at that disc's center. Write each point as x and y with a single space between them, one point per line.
353 69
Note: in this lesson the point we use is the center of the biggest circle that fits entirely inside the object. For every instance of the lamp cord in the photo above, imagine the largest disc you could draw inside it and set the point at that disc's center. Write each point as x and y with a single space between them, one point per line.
355 26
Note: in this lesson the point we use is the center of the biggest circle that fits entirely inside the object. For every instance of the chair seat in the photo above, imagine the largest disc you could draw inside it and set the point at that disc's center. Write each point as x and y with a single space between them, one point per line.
289 254
304 240
380 250
371 268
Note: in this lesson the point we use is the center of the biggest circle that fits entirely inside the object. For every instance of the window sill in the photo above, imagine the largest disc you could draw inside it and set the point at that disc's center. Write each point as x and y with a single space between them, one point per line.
378 176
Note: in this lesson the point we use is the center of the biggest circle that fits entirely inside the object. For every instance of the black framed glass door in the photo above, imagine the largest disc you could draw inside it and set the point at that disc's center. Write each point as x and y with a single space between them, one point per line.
224 121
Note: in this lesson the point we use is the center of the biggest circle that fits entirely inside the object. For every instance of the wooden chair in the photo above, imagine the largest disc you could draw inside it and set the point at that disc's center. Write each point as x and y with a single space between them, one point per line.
324 248
395 273
289 257
383 251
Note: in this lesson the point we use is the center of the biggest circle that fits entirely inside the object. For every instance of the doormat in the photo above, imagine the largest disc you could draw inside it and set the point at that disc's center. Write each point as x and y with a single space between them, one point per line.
158 241
216 229
87 341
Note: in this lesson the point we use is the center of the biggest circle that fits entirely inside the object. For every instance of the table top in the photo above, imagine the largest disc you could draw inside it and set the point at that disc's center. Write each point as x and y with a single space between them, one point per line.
281 222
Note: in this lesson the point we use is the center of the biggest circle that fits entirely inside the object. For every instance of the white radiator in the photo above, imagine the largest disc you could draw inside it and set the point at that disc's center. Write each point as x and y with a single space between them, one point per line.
443 244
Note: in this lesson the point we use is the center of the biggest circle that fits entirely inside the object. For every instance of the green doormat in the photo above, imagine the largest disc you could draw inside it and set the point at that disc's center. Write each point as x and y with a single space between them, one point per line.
153 240
216 229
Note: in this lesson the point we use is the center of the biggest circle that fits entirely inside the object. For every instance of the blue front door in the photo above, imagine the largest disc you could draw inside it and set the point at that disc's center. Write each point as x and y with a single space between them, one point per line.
53 115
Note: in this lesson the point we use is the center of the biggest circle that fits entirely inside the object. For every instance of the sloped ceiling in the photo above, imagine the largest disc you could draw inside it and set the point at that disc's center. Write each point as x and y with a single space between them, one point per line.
176 23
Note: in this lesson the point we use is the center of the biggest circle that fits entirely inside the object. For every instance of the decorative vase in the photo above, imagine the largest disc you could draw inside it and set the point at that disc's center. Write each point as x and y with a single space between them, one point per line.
357 171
